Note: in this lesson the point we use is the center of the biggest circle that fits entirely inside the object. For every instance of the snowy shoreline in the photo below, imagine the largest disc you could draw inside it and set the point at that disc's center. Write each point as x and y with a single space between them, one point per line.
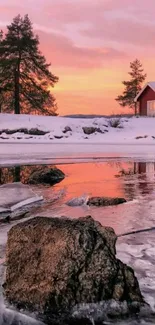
63 130
134 138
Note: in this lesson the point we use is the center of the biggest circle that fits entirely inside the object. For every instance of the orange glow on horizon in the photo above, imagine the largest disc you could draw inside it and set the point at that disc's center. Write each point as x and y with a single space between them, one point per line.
93 91
88 91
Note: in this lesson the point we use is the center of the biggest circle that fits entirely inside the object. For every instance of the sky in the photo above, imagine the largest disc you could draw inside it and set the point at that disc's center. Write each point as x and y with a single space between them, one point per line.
90 44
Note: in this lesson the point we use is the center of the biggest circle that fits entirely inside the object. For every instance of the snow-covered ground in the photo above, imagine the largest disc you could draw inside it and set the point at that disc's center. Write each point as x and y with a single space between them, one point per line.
134 137
133 130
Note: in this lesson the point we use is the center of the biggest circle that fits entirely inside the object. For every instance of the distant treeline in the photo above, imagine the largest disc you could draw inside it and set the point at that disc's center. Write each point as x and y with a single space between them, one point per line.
97 116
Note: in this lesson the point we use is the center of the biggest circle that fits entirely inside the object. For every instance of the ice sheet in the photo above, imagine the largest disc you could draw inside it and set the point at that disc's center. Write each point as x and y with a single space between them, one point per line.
16 195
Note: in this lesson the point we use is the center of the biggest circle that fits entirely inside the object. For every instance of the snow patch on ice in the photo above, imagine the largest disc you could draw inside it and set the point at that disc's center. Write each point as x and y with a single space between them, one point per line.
78 201
15 196
26 202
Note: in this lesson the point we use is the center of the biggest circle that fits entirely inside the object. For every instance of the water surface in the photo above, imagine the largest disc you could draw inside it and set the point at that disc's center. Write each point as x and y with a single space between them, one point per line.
130 179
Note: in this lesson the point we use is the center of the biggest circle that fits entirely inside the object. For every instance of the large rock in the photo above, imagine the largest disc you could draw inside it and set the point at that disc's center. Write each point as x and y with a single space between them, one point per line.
105 201
55 263
46 176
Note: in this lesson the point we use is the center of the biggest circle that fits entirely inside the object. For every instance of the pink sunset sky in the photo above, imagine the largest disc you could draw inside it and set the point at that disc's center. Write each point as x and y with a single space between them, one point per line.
90 44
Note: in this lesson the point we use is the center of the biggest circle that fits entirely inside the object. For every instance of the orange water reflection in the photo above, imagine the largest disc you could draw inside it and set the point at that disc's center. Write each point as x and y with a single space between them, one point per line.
108 179
127 179
92 179
131 180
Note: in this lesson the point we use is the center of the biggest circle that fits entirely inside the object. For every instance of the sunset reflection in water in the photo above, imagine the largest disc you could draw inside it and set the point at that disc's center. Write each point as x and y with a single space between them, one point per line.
132 180
123 179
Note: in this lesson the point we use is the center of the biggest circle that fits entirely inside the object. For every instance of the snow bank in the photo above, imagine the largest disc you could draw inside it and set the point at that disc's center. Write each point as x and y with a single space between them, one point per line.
69 130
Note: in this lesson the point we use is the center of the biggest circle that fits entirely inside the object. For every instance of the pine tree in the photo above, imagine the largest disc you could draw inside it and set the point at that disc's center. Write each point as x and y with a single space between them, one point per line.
133 86
25 77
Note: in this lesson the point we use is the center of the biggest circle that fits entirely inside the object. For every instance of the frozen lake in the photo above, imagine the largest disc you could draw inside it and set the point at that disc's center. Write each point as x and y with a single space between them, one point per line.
59 153
133 179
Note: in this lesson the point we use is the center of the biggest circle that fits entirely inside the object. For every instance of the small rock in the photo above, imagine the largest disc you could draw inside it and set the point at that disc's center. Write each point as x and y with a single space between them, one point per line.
105 201
67 129
90 130
141 137
36 131
4 138
58 136
99 130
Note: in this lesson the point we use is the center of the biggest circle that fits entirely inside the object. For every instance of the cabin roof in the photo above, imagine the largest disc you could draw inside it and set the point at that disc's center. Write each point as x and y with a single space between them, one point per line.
150 84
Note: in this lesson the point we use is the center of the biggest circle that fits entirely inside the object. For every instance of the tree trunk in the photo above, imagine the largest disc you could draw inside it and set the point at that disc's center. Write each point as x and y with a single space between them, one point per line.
1 99
135 109
17 174
17 98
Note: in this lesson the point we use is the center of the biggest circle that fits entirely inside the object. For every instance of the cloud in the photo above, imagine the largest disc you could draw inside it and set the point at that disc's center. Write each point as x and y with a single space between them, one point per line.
63 52
93 11
106 20
119 21
123 30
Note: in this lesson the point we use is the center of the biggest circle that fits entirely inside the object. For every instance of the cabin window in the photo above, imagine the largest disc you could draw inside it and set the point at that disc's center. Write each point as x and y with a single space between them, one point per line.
151 108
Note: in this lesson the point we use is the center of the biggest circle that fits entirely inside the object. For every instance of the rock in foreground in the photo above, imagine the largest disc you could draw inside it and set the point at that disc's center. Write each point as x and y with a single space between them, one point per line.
54 264
46 175
105 201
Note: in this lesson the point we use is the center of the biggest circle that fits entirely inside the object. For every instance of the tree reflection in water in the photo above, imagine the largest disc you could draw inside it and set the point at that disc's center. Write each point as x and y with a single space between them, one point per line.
18 173
139 178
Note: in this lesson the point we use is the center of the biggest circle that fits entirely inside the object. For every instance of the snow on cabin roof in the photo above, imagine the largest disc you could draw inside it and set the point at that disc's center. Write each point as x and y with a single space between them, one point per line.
150 84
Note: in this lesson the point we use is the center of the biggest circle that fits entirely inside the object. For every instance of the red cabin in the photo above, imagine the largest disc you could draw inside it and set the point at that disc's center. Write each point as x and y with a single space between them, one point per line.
146 100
